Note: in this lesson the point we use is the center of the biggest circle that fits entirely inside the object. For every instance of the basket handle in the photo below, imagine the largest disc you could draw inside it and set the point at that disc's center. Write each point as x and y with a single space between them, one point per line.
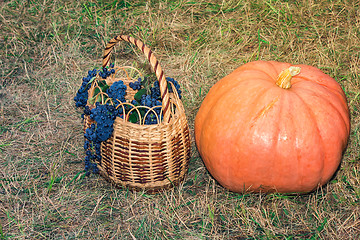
153 62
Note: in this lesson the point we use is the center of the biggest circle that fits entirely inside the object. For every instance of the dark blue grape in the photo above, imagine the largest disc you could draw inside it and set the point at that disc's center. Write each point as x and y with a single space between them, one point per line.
81 97
82 94
146 100
104 116
135 85
95 168
117 92
155 91
98 147
118 112
105 73
87 110
176 85
86 145
149 101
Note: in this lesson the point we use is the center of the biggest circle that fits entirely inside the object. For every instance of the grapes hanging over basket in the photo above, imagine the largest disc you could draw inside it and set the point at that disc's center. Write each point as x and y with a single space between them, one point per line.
104 100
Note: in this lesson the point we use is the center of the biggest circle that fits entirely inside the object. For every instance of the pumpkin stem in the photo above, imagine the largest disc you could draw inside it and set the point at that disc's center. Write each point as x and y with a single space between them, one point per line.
284 78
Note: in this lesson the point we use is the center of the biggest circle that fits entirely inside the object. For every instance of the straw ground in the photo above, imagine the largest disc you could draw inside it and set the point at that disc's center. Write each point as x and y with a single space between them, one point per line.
46 48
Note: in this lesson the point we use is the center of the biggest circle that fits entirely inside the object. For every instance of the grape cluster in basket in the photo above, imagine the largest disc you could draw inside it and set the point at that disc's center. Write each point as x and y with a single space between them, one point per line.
109 102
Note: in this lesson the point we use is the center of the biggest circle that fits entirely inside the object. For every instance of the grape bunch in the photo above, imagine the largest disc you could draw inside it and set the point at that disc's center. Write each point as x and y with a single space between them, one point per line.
104 116
152 99
176 85
82 94
87 111
90 158
155 91
106 72
117 92
136 85
149 101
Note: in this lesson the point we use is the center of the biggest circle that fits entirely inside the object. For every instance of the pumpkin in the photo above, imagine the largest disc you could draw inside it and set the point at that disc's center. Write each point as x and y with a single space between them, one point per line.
273 127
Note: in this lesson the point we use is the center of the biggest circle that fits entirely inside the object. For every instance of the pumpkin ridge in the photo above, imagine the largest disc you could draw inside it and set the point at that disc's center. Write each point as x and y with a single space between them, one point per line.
229 87
276 134
215 106
262 70
329 102
269 176
336 90
255 99
287 103
314 119
299 164
264 110
269 77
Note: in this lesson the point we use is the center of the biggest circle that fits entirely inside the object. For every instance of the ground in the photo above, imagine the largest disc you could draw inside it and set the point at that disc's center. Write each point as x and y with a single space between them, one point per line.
47 47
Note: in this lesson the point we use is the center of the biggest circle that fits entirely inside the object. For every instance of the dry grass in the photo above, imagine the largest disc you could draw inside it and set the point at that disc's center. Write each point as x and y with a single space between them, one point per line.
46 48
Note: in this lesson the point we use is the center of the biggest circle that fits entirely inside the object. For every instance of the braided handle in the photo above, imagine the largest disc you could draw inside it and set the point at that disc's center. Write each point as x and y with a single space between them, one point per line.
153 62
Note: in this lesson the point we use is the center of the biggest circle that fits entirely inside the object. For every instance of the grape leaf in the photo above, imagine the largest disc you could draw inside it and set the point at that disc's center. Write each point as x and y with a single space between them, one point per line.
134 117
138 95
93 99
103 86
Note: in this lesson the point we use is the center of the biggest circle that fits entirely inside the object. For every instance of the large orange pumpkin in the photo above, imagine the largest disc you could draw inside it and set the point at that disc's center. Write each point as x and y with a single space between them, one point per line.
270 126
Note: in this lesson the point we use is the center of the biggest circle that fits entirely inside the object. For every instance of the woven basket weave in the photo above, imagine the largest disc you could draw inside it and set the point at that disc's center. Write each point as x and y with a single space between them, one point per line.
145 157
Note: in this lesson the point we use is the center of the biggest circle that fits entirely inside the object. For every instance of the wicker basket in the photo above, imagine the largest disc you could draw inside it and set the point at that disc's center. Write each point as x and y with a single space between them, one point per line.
145 157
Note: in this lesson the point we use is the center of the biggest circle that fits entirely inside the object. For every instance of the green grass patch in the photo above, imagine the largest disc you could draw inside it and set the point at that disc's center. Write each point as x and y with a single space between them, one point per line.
46 49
